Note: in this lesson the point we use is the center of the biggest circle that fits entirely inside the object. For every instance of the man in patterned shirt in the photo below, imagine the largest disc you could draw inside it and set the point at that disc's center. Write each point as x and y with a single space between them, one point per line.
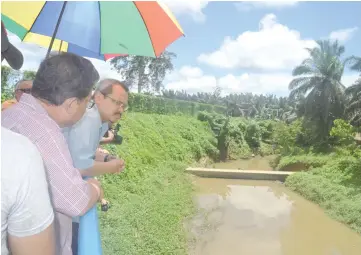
60 94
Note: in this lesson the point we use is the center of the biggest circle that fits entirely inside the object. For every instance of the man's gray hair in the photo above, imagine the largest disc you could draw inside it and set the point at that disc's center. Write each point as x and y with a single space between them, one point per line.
106 86
17 85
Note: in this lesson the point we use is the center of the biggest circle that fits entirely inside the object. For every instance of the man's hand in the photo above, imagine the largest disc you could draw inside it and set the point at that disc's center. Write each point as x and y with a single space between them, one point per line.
95 182
100 154
118 165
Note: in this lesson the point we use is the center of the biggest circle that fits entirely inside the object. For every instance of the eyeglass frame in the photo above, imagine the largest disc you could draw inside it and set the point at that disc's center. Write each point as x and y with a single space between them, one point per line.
116 102
26 91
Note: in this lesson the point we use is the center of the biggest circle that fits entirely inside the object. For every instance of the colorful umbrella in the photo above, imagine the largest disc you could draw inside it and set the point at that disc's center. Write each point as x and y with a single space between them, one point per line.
94 29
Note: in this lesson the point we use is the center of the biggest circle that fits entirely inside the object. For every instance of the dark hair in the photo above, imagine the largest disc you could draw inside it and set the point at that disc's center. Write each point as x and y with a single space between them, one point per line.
106 86
64 76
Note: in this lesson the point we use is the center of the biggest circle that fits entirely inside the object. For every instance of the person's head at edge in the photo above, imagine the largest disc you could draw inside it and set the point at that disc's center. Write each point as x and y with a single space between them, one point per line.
22 86
111 98
9 52
63 85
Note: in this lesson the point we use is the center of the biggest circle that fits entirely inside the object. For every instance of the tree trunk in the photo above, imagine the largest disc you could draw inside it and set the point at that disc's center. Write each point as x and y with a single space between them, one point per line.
223 148
139 83
139 87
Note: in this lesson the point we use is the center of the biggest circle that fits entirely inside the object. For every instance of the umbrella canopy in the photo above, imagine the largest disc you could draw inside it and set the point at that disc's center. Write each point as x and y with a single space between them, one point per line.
94 29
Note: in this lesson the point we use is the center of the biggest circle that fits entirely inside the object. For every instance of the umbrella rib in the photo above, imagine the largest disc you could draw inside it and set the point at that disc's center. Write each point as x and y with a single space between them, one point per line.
100 37
145 24
56 28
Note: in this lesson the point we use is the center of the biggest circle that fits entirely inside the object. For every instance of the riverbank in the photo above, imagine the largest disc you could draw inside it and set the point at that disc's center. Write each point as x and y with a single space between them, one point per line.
153 197
335 186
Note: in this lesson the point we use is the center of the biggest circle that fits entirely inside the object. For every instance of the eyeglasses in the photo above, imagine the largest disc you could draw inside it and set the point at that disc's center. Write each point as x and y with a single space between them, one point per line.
117 102
27 91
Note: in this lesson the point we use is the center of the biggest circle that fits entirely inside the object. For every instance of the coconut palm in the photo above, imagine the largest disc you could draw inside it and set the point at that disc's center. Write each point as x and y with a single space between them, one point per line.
318 78
353 93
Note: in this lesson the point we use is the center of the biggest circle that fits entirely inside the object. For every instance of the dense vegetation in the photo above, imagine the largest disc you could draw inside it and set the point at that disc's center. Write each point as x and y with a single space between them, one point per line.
314 129
153 197
160 105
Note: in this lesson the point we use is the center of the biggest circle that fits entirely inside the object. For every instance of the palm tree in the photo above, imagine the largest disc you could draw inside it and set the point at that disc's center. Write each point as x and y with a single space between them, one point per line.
319 80
353 93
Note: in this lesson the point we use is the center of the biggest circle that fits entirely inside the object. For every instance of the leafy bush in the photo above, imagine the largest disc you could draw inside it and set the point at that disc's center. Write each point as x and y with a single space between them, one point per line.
253 135
343 132
343 170
308 160
285 136
267 129
153 196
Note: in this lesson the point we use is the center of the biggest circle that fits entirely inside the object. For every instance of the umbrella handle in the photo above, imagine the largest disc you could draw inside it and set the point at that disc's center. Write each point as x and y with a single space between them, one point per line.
56 28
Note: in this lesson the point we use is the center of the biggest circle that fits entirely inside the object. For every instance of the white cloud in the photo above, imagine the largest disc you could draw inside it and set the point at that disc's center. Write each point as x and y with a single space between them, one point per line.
247 6
192 8
34 54
275 83
273 47
190 79
193 80
343 35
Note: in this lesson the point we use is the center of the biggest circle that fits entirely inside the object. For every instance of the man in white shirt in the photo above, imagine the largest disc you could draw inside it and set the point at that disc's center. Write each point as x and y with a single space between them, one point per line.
26 212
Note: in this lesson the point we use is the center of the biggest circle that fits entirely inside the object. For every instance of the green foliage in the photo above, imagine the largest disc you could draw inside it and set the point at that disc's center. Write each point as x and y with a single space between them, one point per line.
307 160
253 135
335 187
287 137
244 104
160 105
153 196
240 137
29 75
6 92
342 170
318 79
343 132
267 129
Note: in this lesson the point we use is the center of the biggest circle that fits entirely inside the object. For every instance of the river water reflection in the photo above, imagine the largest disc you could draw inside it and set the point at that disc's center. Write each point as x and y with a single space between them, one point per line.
239 217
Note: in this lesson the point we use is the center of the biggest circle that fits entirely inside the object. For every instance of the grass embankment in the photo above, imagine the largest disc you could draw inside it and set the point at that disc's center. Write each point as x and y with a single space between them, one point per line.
333 181
151 199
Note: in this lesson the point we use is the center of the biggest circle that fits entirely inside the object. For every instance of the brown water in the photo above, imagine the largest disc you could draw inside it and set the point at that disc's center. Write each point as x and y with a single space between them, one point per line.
256 163
239 217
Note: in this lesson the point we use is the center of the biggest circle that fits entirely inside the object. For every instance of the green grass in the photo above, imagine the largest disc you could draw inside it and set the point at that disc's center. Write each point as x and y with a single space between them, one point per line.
153 197
308 160
335 186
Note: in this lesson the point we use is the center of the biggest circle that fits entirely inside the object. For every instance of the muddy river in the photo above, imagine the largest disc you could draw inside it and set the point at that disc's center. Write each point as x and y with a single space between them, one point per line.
238 217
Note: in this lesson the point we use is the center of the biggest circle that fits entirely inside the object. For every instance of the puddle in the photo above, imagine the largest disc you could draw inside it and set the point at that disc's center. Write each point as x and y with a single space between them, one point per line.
264 218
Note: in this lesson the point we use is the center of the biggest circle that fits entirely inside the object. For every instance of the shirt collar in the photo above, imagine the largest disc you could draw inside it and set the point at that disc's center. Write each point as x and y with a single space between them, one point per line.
31 102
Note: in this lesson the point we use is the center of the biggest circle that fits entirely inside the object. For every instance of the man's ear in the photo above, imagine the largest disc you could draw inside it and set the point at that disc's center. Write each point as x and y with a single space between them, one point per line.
98 97
71 105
